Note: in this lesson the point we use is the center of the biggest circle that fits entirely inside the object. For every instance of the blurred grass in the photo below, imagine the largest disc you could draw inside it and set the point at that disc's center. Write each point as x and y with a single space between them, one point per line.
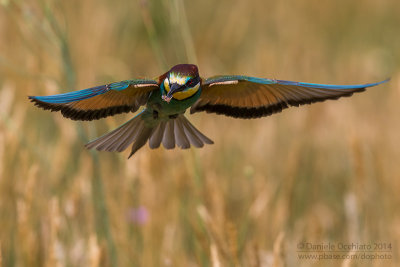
324 173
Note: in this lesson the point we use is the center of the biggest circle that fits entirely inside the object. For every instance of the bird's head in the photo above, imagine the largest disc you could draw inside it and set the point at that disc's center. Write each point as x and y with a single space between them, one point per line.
181 82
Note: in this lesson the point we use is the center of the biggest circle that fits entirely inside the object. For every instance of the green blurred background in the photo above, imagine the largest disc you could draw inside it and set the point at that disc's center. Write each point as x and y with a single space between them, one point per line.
329 172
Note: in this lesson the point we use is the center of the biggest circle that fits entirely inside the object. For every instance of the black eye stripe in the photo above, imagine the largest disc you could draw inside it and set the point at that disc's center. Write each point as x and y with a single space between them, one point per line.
193 81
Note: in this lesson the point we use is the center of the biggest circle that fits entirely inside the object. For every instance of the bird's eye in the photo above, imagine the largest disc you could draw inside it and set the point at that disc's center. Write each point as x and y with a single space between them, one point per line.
190 82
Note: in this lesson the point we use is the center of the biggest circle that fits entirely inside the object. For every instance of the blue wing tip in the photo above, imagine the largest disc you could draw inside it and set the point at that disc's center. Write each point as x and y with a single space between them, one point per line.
331 86
71 96
385 81
33 98
40 98
377 83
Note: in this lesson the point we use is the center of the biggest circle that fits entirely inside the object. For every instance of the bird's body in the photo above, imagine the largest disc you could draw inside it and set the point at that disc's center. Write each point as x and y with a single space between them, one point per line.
167 98
171 108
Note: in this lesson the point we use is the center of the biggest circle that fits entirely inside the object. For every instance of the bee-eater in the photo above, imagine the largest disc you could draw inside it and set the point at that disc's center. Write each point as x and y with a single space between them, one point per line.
167 98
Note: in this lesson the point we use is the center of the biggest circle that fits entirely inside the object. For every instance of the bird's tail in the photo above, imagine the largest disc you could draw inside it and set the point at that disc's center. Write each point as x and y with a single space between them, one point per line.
178 131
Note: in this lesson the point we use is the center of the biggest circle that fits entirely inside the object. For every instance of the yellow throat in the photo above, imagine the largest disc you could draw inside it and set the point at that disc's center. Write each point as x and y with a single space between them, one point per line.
180 80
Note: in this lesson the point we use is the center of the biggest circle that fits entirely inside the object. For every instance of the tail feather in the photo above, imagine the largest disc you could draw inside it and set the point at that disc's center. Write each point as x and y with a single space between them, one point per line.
193 138
157 136
113 140
101 143
180 137
141 140
168 140
203 138
133 134
179 132
125 134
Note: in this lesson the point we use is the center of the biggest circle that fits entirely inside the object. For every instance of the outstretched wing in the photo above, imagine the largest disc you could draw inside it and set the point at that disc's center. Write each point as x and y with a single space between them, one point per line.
249 97
99 102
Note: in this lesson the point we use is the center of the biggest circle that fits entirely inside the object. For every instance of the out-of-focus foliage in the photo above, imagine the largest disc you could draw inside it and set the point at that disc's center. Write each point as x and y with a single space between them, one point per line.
323 173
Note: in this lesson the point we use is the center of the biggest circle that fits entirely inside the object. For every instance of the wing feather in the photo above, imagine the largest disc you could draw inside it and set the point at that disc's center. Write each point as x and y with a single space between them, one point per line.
99 102
250 97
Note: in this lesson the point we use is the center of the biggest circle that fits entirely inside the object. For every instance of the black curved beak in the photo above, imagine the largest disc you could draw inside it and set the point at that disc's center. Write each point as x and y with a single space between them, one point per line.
175 88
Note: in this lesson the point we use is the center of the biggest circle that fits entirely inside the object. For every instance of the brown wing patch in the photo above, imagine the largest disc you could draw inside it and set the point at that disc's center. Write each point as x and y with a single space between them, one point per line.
107 104
245 99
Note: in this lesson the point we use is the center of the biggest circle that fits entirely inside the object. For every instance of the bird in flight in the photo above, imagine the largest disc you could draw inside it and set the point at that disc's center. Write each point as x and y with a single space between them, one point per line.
167 98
